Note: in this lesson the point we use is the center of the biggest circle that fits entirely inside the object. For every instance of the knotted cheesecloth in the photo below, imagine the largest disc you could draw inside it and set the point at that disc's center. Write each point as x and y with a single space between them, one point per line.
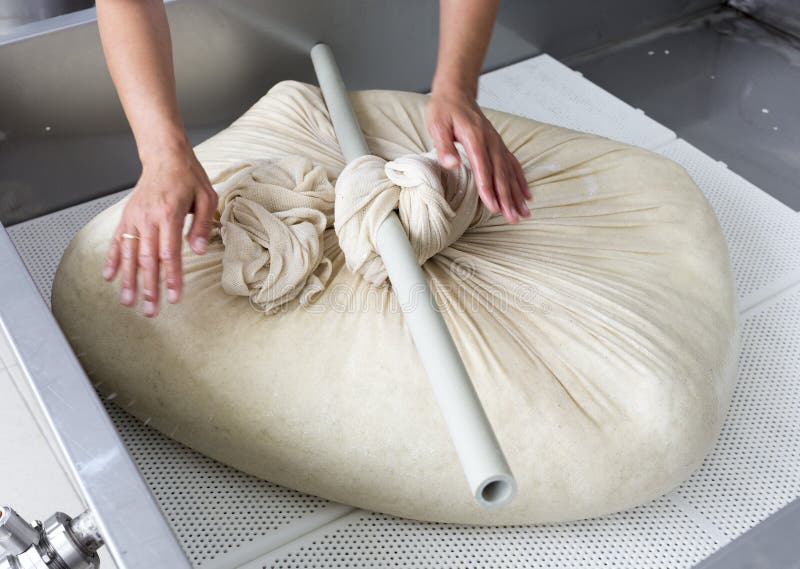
273 215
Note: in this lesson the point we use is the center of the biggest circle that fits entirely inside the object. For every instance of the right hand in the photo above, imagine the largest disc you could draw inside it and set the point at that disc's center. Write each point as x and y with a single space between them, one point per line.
172 185
453 115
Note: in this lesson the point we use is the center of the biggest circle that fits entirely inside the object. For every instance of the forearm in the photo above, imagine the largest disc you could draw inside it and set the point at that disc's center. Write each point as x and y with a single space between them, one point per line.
453 115
465 28
138 49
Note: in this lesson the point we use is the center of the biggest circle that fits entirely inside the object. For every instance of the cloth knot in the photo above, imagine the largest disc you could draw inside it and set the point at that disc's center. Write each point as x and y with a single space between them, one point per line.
272 216
436 206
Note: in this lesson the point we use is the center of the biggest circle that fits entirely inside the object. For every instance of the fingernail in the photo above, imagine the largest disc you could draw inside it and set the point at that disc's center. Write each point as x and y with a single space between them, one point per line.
127 296
449 161
172 296
200 245
525 210
149 308
107 272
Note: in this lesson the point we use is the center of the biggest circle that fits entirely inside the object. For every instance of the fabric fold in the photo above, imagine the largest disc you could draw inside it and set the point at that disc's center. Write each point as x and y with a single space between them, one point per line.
272 219
436 206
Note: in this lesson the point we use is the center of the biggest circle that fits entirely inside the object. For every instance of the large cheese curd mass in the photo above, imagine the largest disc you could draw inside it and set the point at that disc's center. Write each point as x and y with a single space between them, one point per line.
600 333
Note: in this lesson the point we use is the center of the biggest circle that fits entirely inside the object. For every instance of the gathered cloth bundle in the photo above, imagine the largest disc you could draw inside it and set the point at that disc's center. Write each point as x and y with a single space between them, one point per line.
272 215
600 333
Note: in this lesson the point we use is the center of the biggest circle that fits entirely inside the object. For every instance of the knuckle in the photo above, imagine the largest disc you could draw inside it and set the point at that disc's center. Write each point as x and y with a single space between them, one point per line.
213 198
439 126
147 261
127 253
201 198
201 223
170 211
169 254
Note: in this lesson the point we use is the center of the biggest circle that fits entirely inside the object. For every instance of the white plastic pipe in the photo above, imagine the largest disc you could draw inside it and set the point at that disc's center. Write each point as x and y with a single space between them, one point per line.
486 469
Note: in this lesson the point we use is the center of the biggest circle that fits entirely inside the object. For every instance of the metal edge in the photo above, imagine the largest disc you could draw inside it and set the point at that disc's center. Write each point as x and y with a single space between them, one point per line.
56 23
772 544
134 528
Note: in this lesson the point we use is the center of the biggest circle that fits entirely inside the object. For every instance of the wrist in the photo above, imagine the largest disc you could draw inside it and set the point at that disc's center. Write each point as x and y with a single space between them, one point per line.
166 145
454 86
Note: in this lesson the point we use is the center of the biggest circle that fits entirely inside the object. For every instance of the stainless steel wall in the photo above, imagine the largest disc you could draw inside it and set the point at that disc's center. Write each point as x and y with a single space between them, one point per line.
782 14
14 13
64 139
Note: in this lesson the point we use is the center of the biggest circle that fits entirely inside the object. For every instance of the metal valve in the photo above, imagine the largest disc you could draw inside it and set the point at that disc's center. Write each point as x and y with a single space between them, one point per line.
60 542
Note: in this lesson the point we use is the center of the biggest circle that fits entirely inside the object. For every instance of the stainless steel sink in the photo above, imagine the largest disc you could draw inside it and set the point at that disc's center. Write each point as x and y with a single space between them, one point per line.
14 13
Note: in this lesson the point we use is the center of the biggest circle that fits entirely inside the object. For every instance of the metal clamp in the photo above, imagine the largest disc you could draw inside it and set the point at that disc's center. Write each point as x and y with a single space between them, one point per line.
60 542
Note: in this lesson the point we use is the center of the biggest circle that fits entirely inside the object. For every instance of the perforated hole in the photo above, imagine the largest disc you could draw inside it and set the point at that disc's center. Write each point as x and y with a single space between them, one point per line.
212 508
42 241
755 468
658 535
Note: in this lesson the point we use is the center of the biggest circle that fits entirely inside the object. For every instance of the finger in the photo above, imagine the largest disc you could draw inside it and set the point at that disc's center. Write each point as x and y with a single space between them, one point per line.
204 206
111 265
517 190
442 133
149 267
482 168
129 252
502 186
170 255
517 194
521 177
503 191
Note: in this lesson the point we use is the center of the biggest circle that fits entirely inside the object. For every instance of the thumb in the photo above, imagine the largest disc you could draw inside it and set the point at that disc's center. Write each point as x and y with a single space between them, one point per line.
443 139
201 223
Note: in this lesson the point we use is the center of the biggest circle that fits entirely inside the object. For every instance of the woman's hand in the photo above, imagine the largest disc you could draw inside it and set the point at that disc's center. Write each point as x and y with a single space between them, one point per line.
452 116
173 184
465 27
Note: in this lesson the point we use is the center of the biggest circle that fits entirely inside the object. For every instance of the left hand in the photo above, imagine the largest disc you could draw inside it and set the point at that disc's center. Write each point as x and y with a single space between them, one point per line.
452 116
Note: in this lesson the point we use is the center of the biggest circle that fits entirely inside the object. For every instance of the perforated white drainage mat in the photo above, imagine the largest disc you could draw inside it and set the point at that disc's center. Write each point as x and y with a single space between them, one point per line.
227 519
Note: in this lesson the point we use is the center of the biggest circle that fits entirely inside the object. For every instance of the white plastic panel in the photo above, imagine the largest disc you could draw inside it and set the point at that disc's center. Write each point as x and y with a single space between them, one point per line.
763 234
213 508
755 468
543 89
216 511
42 241
658 535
